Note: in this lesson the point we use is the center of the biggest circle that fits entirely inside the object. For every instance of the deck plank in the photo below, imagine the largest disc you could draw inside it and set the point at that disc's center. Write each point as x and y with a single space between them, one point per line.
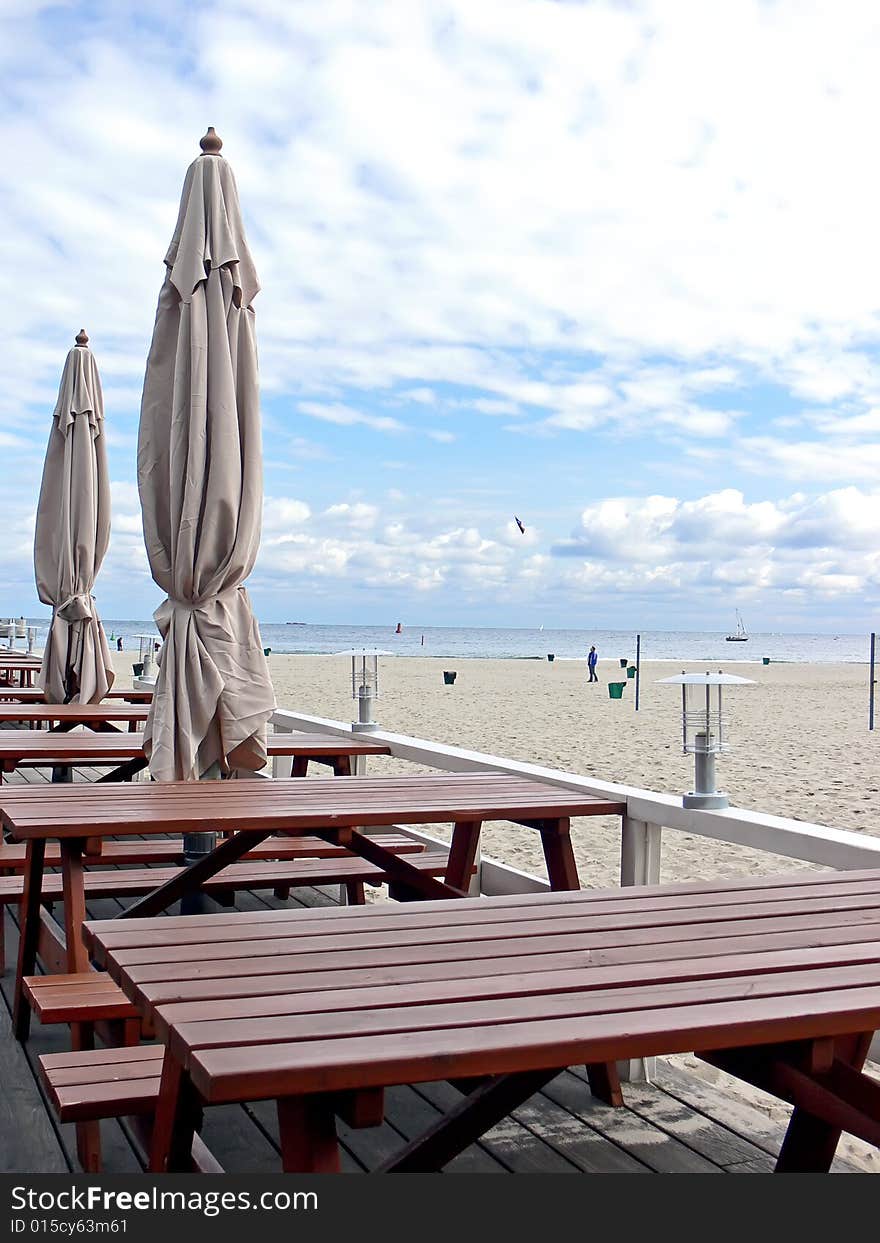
640 1139
708 1100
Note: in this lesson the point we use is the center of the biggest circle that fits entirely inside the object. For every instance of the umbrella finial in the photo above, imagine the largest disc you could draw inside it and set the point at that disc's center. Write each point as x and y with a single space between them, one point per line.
82 337
211 144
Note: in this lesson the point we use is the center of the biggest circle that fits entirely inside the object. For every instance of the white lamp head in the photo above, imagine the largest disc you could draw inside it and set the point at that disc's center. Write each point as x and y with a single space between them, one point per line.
365 683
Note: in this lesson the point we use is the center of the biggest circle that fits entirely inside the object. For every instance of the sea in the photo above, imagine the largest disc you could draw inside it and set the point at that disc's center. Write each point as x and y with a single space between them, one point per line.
497 643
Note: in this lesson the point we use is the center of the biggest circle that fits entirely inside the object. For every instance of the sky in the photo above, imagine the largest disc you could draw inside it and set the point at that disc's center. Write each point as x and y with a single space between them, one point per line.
609 267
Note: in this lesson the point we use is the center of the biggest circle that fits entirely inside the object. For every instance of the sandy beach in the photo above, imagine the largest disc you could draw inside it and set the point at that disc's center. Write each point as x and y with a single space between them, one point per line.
801 746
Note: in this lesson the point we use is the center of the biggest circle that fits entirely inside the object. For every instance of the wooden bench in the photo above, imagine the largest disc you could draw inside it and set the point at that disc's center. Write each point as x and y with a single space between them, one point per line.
12 854
88 1086
62 717
103 1083
330 867
35 695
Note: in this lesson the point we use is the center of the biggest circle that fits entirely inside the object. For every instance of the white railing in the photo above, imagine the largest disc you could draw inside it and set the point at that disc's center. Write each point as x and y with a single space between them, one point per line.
648 813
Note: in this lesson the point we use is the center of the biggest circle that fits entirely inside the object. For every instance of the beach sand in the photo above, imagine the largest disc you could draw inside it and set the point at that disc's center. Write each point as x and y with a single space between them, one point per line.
801 748
800 742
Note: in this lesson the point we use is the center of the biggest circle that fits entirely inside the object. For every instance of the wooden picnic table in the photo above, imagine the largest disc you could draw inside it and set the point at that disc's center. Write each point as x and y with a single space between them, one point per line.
774 979
61 717
17 666
334 809
42 749
36 695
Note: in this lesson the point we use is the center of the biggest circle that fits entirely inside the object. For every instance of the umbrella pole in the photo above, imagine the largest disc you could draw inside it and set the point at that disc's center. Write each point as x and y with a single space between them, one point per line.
63 772
195 847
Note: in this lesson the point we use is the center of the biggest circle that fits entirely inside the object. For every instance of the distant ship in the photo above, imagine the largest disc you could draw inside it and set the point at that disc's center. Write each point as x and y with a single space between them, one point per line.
296 623
740 636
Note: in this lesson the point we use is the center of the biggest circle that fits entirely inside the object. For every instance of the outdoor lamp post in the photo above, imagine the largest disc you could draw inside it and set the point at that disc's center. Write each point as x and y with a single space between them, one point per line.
146 657
704 730
365 684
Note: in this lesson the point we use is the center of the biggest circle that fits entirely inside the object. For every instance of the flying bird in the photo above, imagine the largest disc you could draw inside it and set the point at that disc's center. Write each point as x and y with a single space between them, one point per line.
519 524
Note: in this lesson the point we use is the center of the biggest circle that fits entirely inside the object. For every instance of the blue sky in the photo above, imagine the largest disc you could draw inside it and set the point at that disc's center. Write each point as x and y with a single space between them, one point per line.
610 267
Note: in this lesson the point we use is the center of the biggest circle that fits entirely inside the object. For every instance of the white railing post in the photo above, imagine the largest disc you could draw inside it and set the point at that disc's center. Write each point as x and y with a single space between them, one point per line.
640 844
475 888
281 764
639 852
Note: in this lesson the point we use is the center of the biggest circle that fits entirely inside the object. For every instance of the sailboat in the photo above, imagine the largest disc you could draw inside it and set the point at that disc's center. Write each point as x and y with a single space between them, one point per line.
740 636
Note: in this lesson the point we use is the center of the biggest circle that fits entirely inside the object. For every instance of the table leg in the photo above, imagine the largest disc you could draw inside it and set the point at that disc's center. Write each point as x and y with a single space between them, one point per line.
482 1109
558 853
299 766
88 1134
29 932
74 902
397 869
189 880
307 1128
810 1141
341 766
827 1099
462 852
604 1080
178 1118
125 771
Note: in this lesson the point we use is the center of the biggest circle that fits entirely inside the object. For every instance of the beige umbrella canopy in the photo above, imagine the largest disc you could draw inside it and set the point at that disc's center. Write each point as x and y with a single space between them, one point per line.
72 533
200 476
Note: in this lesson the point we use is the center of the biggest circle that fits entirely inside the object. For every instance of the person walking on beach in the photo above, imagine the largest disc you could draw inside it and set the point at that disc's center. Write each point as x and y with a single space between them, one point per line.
591 664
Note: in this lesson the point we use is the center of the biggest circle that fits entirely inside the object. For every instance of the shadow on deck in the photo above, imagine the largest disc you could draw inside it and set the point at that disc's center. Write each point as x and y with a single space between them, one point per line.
677 1124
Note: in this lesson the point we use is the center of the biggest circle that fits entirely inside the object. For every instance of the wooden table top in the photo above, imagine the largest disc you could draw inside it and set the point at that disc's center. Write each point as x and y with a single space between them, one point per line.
73 712
41 746
290 804
264 1004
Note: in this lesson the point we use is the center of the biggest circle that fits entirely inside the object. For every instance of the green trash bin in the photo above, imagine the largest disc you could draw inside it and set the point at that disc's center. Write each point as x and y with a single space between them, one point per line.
266 651
766 660
630 671
551 656
623 662
449 677
616 689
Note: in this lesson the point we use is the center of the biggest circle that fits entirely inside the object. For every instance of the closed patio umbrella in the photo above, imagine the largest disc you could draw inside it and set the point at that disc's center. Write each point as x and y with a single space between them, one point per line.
201 488
72 533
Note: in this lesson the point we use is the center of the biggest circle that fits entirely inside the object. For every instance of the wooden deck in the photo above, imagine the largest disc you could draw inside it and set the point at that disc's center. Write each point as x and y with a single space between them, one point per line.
677 1124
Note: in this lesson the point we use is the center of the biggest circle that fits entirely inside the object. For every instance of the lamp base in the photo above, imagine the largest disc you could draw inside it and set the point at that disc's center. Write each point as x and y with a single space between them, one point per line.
363 727
707 802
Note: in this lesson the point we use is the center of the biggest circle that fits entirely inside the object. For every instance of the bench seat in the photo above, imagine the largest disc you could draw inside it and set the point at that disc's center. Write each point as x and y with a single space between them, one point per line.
88 1086
257 874
85 996
12 854
93 1084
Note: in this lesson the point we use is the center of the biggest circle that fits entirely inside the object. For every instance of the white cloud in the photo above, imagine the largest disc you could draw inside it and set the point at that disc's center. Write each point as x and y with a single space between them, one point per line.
823 545
345 416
